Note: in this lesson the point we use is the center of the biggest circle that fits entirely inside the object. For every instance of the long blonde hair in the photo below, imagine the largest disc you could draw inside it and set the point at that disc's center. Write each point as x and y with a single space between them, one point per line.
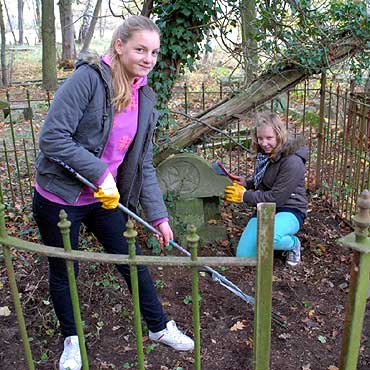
121 84
271 119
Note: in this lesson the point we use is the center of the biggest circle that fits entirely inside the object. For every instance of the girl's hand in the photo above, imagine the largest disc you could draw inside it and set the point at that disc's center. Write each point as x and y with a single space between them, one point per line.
241 180
234 193
166 231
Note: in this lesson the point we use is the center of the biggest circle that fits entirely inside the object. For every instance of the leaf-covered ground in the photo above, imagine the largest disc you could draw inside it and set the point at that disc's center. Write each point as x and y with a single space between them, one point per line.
311 298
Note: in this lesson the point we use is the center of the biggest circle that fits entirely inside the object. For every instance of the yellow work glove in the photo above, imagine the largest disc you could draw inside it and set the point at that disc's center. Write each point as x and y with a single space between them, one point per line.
234 193
108 193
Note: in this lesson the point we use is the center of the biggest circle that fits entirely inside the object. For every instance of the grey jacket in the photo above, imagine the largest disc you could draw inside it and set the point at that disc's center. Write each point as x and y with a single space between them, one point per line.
76 131
284 180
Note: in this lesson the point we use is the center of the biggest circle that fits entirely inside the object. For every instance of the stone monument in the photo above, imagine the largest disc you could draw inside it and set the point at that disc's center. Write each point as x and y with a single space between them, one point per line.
192 192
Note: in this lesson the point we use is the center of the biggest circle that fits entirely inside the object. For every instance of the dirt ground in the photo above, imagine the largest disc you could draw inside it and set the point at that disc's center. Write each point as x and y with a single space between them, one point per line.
311 298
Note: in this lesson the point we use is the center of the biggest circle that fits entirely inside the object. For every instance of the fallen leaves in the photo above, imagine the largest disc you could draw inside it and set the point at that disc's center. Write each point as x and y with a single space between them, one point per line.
321 339
284 336
4 311
239 325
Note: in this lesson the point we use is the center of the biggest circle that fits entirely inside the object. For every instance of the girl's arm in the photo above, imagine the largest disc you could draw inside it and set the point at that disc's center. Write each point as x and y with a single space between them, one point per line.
58 138
151 198
291 173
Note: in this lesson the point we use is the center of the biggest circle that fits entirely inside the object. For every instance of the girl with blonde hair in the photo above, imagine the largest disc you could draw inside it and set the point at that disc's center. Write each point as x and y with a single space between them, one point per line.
279 177
101 123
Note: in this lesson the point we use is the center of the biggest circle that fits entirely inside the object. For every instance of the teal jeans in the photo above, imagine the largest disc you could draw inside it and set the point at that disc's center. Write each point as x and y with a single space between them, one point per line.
286 226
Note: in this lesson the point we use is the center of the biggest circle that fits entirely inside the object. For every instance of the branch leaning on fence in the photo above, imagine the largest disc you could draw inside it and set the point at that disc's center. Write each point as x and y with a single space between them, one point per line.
216 276
263 89
212 128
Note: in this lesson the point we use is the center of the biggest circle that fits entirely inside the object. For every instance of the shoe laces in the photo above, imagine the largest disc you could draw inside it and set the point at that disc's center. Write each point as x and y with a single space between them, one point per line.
175 333
72 350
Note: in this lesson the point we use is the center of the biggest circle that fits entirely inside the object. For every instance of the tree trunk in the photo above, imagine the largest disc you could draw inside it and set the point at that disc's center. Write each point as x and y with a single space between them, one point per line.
249 44
85 22
4 70
10 23
263 89
147 8
102 23
49 72
68 41
38 19
20 21
90 32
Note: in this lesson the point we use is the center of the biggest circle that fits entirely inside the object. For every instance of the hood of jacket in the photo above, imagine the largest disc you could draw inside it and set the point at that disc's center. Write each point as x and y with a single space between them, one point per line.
93 59
294 145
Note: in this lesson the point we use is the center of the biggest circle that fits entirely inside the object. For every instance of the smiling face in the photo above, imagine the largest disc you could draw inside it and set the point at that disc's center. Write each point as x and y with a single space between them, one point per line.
266 138
139 53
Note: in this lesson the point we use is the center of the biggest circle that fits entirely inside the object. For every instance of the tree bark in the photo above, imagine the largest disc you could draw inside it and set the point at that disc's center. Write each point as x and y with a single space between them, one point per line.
4 70
49 72
20 21
38 19
85 22
10 23
147 8
263 89
68 41
102 23
90 31
249 43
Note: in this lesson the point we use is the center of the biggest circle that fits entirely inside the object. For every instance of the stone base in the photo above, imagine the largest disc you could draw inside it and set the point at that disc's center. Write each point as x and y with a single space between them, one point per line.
198 212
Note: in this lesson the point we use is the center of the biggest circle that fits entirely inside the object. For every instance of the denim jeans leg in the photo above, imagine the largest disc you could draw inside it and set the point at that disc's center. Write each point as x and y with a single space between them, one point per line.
108 227
46 214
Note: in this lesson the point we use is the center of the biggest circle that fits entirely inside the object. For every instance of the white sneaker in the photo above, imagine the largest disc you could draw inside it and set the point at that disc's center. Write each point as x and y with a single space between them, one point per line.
294 255
173 337
71 356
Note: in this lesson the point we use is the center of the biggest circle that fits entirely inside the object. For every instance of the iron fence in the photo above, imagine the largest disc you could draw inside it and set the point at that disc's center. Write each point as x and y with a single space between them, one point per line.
335 123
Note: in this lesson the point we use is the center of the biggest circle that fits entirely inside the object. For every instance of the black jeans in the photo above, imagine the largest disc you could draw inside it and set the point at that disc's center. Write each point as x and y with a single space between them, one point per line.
108 227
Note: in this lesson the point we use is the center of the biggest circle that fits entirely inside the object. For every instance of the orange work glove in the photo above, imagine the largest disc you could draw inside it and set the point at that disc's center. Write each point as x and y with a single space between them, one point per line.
108 193
234 193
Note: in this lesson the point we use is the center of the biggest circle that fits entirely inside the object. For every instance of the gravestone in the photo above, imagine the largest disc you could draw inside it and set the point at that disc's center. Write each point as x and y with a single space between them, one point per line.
192 192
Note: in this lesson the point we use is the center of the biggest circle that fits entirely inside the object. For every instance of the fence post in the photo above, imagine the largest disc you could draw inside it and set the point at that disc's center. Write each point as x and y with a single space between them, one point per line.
186 97
203 97
359 241
130 234
320 138
31 123
64 226
1 194
193 239
263 305
15 293
9 172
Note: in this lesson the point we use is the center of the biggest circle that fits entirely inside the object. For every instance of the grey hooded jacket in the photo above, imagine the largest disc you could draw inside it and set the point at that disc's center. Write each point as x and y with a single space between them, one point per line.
76 131
284 180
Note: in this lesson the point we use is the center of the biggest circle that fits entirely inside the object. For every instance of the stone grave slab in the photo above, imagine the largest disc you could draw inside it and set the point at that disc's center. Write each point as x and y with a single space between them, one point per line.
192 191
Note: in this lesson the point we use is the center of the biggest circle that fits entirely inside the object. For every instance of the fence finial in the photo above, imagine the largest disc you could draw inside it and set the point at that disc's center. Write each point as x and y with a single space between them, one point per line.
362 219
64 224
3 232
130 232
192 238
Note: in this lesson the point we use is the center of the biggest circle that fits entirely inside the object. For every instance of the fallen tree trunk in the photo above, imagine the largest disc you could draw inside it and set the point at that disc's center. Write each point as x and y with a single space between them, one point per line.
266 87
